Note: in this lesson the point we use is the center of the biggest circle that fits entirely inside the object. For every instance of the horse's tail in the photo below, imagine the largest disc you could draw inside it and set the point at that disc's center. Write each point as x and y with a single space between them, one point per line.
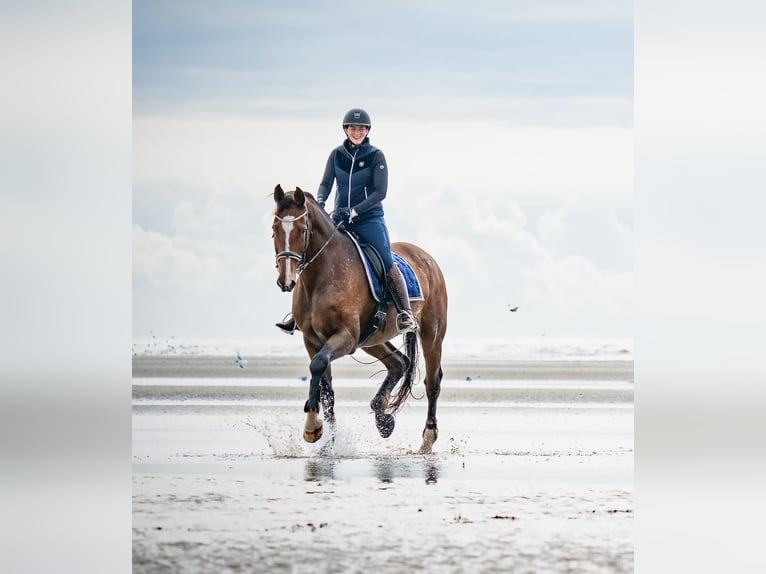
411 352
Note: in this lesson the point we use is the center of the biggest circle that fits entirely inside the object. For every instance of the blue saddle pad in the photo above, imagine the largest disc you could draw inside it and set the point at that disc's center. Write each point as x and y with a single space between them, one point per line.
414 290
410 279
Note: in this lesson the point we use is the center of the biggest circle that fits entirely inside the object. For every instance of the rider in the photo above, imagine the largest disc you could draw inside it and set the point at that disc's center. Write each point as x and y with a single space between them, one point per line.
361 173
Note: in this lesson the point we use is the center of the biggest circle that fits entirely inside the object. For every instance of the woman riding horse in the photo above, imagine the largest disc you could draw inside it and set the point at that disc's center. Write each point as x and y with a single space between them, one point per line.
361 173
334 307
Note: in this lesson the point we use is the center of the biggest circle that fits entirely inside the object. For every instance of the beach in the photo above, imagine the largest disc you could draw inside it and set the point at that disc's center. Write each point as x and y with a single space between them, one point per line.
532 471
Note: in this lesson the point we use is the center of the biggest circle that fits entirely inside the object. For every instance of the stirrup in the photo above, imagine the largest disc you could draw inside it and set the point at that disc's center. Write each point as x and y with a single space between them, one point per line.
405 322
287 325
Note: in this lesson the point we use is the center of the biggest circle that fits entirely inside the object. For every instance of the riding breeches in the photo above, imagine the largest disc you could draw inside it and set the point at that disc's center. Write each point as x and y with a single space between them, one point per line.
374 232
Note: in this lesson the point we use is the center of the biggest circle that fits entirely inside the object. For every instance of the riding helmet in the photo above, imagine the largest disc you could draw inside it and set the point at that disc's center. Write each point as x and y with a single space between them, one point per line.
356 117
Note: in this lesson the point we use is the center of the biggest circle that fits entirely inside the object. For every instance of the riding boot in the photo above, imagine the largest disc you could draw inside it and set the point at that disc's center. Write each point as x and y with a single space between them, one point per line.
288 324
405 320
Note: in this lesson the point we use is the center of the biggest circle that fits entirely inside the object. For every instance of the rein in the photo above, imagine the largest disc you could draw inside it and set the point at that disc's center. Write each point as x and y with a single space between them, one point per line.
301 258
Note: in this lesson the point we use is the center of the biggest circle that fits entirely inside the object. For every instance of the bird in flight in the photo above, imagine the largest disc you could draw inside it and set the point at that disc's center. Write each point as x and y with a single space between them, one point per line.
240 361
512 309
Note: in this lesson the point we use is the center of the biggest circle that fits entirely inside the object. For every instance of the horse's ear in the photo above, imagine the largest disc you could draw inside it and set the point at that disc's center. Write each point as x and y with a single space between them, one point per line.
278 193
300 199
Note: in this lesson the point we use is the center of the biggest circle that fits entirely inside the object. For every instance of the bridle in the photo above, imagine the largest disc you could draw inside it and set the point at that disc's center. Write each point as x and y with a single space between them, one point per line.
301 257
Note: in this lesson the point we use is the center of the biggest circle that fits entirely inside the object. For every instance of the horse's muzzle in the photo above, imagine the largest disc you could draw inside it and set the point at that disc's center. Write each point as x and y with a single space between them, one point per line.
286 288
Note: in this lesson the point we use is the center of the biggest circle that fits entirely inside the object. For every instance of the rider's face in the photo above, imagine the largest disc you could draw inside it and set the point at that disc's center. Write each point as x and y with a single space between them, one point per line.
356 134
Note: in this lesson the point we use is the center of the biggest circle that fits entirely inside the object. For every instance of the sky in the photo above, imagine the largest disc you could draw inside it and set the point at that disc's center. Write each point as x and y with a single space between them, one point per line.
507 127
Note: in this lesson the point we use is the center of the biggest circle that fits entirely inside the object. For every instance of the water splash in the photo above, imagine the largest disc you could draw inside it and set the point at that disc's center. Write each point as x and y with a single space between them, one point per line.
282 435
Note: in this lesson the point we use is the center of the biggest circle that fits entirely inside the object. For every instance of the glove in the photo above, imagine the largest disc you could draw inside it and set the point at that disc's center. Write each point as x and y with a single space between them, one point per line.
321 203
344 213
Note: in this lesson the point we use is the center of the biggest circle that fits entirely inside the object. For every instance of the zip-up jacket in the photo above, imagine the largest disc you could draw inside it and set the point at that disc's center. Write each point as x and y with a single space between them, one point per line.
362 177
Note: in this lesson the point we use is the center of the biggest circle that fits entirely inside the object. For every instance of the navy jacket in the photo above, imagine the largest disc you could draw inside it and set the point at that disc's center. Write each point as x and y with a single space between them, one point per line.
362 176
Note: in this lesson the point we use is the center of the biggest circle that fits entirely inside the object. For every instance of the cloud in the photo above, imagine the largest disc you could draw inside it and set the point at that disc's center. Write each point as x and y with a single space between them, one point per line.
198 287
574 282
492 254
587 226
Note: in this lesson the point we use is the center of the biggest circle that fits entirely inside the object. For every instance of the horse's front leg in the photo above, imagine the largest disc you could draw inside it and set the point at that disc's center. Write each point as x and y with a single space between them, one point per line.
327 399
320 387
312 429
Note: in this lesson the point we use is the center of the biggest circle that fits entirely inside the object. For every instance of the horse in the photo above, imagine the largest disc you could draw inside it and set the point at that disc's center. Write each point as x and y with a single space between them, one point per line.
332 304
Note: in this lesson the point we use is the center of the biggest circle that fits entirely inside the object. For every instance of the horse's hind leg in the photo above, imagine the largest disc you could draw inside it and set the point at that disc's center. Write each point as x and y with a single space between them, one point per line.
432 352
395 363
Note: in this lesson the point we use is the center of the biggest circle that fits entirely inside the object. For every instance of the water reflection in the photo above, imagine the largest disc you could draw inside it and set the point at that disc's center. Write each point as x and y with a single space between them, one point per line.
431 471
384 469
387 469
317 469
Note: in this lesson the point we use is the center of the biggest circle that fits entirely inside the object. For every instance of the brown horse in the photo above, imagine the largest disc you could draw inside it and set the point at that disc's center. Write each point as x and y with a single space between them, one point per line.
333 304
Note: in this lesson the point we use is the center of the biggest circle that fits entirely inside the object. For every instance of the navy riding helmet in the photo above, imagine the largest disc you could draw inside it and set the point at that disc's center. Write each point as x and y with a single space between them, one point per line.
356 117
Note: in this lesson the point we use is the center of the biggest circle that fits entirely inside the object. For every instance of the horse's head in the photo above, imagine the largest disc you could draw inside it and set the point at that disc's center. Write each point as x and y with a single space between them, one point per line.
291 231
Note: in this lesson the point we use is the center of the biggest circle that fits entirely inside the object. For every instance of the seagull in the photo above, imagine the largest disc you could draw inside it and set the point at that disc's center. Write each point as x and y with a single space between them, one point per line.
240 361
512 309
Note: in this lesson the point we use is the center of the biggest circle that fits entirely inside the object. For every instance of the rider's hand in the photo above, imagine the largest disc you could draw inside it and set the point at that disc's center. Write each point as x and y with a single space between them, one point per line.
344 213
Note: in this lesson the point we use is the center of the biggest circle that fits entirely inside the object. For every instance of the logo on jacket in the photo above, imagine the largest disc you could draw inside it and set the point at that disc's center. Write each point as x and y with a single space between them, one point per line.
361 164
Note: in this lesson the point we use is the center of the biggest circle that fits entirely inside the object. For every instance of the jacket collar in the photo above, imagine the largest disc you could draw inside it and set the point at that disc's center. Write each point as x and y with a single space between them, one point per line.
351 148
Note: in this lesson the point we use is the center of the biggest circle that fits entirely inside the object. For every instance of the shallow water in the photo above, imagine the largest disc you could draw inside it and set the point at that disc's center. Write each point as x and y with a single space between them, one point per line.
531 477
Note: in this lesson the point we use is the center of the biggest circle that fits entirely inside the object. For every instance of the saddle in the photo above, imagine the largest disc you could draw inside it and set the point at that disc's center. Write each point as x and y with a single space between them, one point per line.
376 276
381 292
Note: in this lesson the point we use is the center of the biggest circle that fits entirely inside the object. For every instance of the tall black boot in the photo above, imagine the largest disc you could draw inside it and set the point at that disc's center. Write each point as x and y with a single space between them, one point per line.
405 320
288 324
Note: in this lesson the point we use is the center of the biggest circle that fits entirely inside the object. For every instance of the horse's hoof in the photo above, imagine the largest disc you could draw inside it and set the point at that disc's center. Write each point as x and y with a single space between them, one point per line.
312 429
385 424
312 435
429 438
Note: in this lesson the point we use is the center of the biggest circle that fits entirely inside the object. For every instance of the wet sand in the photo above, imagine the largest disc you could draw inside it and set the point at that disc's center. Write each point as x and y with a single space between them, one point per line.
532 472
297 366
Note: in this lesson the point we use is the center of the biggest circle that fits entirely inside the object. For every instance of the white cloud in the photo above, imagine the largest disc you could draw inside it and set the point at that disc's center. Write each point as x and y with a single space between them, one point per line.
491 256
201 287
586 225
575 282
175 264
